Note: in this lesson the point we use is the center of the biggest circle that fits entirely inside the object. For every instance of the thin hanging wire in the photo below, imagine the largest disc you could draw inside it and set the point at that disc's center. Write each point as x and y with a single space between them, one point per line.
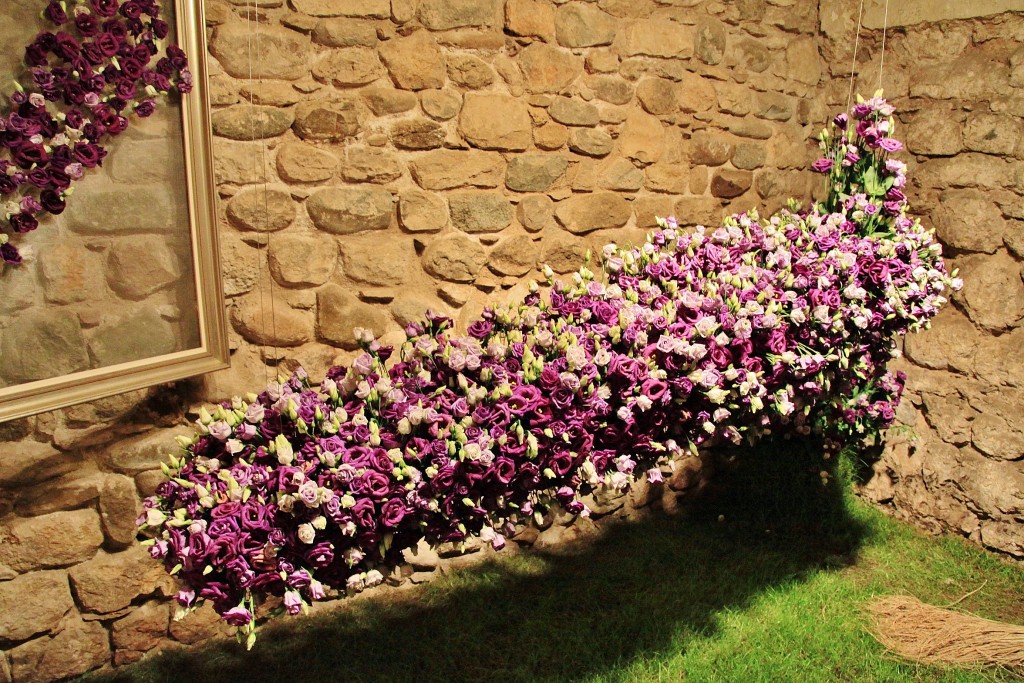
266 200
881 61
260 174
853 64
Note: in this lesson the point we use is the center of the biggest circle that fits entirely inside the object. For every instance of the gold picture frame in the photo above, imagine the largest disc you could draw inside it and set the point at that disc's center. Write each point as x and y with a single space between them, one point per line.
206 324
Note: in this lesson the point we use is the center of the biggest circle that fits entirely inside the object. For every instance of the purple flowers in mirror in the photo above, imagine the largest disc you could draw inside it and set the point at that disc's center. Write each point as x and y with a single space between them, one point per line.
762 326
106 60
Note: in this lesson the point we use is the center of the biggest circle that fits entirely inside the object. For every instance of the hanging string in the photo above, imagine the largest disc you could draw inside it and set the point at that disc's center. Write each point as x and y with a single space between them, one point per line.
853 64
881 61
266 200
258 157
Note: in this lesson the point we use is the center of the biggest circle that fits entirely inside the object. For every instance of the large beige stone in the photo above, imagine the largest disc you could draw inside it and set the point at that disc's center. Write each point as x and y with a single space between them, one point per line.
535 172
993 294
79 647
417 134
998 437
710 149
420 211
250 121
349 66
271 321
574 112
239 163
698 211
621 175
447 169
972 76
476 211
548 69
727 183
455 258
536 212
262 209
33 603
261 51
139 266
339 312
990 362
119 507
591 142
441 15
992 133
199 626
803 61
103 211
46 342
31 462
300 162
367 258
442 105
935 134
414 62
642 138
516 255
710 41
378 9
583 213
345 32
951 343
494 121
302 260
773 106
656 38
133 335
132 456
550 136
469 71
328 119
140 631
969 220
659 95
383 100
48 541
111 581
530 18
343 211
369 165
610 89
579 24
69 272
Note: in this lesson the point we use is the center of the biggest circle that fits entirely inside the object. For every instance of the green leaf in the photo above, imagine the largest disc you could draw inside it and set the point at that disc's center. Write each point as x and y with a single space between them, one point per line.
872 185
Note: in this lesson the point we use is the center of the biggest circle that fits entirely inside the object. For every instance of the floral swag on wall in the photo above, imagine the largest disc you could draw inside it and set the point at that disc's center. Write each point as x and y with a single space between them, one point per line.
105 60
762 326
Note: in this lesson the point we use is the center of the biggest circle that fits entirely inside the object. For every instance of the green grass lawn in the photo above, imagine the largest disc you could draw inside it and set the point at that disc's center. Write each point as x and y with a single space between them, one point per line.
775 592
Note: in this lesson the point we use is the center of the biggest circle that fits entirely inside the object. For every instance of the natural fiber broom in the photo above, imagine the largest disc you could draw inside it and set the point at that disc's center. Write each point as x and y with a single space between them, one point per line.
934 635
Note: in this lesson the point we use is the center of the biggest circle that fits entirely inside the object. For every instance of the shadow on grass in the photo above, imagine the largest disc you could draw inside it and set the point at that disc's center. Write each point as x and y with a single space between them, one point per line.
631 593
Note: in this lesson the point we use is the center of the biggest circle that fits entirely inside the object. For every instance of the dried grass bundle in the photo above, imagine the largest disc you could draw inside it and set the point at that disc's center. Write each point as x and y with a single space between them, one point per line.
935 635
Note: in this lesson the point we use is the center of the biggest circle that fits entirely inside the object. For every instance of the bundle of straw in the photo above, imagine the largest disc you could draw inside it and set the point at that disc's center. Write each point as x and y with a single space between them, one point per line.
934 635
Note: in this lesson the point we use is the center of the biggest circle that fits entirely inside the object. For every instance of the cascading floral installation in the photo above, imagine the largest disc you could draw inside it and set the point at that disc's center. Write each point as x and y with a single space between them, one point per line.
763 326
106 60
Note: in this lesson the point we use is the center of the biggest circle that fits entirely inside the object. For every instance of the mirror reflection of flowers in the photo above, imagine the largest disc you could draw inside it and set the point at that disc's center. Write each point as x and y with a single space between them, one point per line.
103 61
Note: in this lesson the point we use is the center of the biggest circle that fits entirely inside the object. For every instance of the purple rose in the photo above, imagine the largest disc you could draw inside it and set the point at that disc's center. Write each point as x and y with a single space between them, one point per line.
87 24
107 44
822 165
392 512
52 202
104 8
236 616
89 155
24 222
9 254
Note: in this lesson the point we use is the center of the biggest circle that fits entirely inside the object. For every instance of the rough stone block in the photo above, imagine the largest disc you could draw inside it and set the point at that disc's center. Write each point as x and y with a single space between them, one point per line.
250 121
299 162
547 68
535 172
139 266
583 213
455 258
284 54
583 25
45 343
33 603
136 334
414 62
80 646
119 507
469 71
417 134
447 169
48 541
344 211
111 581
339 312
377 9
476 211
442 15
328 119
420 211
516 255
494 121
271 323
141 630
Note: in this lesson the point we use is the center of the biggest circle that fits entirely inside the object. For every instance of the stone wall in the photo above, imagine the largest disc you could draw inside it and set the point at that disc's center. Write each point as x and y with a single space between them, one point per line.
386 157
956 86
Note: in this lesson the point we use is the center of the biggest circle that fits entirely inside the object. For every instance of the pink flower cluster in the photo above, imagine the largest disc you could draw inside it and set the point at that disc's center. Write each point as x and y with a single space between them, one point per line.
102 62
759 327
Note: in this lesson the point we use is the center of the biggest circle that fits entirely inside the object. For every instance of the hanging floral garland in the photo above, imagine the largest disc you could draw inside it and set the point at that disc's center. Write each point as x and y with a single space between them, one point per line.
104 60
777 325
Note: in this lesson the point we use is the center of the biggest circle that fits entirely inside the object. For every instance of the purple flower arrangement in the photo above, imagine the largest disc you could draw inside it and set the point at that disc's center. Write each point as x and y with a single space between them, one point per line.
104 60
760 326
